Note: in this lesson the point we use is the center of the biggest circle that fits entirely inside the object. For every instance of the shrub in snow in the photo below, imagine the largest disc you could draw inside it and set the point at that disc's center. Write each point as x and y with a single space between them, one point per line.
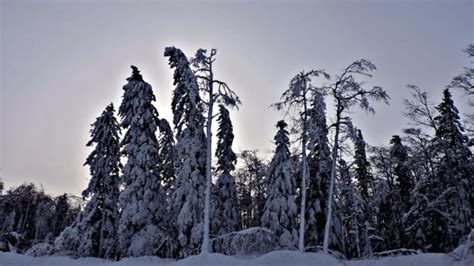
41 249
465 250
254 240
396 252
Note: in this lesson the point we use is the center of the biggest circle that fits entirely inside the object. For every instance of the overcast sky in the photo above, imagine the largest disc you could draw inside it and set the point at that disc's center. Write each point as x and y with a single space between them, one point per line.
62 62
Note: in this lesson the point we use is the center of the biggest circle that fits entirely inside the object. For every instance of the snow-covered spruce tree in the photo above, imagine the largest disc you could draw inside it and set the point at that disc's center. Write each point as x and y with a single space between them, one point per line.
347 91
187 199
223 95
455 171
94 233
167 155
319 165
298 97
143 199
280 211
225 218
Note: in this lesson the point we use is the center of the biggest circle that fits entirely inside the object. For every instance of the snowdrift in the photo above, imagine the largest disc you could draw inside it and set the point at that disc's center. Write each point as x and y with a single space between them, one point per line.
276 258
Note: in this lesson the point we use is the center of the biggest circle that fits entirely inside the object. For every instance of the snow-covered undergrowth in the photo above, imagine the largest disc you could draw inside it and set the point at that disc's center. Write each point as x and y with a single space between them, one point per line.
276 258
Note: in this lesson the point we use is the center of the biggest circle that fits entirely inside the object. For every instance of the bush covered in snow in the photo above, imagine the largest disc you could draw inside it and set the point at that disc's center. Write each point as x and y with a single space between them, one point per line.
465 250
41 249
255 240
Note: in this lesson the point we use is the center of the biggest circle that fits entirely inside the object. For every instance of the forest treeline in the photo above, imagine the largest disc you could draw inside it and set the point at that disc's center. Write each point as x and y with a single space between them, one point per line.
156 190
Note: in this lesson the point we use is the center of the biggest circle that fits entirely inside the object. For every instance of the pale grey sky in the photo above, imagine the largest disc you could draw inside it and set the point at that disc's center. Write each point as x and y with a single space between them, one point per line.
62 62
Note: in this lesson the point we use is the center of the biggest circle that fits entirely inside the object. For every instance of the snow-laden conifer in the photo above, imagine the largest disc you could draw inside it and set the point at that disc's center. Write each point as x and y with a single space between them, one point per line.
225 218
319 165
455 170
187 199
142 199
94 233
279 214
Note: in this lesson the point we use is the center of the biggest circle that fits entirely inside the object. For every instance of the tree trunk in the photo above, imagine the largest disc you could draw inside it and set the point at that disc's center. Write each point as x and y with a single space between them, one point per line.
205 239
304 178
333 176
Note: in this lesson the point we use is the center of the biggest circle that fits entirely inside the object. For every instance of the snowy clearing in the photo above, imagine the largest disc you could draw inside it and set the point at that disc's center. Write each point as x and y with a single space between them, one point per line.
276 258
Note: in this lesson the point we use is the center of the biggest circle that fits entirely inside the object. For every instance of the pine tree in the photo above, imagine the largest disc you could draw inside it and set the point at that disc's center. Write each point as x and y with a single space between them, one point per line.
94 233
319 164
142 200
187 199
280 212
226 211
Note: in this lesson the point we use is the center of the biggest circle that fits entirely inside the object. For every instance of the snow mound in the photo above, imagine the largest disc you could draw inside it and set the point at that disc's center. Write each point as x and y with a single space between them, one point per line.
295 258
255 240
275 258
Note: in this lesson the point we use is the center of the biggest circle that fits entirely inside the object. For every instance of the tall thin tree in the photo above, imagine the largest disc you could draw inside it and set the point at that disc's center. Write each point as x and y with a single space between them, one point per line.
222 94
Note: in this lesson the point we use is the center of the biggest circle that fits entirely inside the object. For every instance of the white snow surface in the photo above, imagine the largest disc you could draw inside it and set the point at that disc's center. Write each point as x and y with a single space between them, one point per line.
276 258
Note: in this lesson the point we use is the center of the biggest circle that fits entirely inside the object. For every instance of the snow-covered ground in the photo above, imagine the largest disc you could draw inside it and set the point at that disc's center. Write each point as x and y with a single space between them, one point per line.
276 258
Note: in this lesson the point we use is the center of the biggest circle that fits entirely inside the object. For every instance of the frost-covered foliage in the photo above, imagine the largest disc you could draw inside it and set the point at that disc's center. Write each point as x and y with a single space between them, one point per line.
254 240
187 199
279 214
319 164
225 215
143 199
94 233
